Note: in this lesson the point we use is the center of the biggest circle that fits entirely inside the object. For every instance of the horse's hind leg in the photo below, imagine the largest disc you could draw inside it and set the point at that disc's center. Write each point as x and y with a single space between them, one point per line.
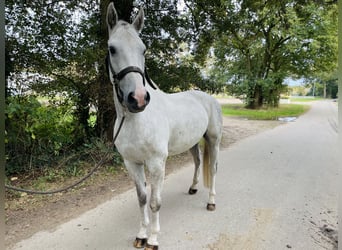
195 151
137 173
214 143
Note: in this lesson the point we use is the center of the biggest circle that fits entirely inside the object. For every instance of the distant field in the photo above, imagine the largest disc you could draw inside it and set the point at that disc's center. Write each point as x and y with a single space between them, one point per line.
284 110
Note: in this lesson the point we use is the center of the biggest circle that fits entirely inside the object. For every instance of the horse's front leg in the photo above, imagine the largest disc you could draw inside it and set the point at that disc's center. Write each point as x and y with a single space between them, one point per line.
156 168
137 173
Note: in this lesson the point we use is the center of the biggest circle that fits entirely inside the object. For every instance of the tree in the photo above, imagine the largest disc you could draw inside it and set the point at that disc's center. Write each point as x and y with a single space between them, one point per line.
46 38
323 50
259 43
65 43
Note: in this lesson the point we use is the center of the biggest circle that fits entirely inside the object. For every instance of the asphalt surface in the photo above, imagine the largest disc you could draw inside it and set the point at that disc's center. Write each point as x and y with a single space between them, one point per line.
275 190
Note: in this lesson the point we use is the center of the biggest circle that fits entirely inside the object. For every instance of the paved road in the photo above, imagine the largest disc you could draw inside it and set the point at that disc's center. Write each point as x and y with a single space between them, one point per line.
276 190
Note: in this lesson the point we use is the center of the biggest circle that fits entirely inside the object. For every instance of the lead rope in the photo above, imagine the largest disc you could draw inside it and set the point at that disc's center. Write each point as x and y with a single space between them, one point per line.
97 165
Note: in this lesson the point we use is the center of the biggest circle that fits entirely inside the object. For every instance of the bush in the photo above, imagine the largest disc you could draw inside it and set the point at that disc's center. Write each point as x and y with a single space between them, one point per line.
36 134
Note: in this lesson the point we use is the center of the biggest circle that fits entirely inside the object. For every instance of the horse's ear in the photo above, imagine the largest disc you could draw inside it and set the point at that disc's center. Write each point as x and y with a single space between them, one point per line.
112 17
138 22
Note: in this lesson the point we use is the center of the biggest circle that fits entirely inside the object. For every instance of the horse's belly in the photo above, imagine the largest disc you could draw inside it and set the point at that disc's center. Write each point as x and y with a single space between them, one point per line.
185 136
181 147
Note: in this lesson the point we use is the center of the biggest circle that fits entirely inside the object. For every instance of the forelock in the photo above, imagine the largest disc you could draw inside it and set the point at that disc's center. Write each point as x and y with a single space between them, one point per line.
121 24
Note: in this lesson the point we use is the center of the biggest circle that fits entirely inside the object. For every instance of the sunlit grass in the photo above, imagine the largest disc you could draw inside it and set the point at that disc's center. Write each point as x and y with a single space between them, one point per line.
305 99
284 110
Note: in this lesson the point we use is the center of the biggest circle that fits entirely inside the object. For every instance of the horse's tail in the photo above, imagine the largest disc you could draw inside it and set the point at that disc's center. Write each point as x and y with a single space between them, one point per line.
206 167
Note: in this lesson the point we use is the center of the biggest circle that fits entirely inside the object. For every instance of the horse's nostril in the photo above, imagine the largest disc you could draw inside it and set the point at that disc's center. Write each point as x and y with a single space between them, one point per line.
135 104
131 98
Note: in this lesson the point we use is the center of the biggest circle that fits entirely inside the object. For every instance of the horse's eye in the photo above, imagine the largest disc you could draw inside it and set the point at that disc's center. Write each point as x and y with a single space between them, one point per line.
112 50
144 52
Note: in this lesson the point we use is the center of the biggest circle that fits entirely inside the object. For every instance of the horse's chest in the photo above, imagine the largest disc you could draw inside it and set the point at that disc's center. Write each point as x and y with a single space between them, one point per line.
141 143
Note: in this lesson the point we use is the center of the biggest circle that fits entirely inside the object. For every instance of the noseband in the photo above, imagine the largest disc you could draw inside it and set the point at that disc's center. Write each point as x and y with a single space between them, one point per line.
118 77
125 71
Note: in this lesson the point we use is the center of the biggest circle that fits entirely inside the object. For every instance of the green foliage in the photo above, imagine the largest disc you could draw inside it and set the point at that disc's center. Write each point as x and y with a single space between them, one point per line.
167 35
284 110
257 44
41 138
57 41
35 134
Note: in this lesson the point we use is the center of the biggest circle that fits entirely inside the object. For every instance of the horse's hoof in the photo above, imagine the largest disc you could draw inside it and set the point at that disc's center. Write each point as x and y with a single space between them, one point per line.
151 247
140 243
211 207
192 191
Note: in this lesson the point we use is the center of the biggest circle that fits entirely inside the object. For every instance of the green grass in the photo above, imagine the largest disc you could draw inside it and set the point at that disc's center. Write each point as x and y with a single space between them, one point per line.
284 110
305 99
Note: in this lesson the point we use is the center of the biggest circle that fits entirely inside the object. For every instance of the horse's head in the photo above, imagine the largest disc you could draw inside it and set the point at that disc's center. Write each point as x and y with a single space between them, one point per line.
126 60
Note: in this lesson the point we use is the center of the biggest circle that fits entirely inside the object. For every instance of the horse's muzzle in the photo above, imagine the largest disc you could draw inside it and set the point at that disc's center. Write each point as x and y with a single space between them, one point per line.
136 105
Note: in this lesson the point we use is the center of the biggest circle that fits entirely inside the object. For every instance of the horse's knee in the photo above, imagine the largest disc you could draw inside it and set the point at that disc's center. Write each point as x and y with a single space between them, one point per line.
214 169
155 206
142 197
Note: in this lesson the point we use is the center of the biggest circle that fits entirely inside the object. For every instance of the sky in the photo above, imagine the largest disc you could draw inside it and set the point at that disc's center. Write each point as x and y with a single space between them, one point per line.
294 82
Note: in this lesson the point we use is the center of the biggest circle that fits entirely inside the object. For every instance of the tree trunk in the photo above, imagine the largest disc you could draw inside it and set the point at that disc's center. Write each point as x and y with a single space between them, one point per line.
256 100
8 70
106 113
124 9
106 110
82 130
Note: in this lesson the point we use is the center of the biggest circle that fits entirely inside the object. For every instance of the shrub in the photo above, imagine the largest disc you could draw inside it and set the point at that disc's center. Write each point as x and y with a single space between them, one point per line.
36 134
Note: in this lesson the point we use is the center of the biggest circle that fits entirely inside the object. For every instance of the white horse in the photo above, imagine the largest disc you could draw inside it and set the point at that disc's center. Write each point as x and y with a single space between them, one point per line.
156 124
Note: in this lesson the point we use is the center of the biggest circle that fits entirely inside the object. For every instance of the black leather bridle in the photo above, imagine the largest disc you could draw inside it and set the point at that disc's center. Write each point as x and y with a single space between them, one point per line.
118 76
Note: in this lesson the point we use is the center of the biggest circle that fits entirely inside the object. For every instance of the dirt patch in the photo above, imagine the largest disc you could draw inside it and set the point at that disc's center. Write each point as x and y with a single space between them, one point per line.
262 217
29 214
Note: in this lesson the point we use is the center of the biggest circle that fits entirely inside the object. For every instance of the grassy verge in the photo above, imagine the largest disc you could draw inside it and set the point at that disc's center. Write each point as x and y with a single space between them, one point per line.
305 99
284 110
